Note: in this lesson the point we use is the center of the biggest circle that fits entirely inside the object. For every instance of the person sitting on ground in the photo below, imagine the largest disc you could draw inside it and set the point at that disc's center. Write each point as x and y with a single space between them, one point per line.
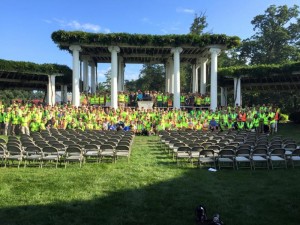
213 125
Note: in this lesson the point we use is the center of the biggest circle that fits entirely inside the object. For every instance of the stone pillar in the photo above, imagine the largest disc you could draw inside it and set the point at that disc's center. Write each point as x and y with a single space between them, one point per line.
167 70
114 73
120 71
237 91
203 62
75 79
64 93
195 79
214 78
93 77
223 96
176 52
85 74
51 90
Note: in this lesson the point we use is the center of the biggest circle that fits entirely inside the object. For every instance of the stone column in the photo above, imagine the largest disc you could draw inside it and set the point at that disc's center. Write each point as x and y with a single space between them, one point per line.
93 77
223 96
237 91
203 62
123 76
114 73
214 78
51 90
195 69
75 79
85 74
120 69
176 52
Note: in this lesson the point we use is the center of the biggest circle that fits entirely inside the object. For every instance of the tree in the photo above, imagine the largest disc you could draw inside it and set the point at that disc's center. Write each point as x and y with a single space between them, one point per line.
152 77
105 86
277 37
199 24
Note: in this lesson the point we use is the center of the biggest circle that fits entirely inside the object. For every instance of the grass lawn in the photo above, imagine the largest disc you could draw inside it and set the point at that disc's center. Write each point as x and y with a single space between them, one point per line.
150 189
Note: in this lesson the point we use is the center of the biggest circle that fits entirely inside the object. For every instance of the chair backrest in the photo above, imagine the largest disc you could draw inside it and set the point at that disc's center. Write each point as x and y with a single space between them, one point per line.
278 151
33 149
179 144
260 151
226 153
229 147
91 147
184 149
14 149
243 152
50 150
296 152
59 146
122 148
74 151
207 153
291 146
197 148
106 147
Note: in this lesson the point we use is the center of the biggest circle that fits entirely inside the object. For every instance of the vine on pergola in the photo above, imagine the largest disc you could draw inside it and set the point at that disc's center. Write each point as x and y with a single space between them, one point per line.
64 38
259 70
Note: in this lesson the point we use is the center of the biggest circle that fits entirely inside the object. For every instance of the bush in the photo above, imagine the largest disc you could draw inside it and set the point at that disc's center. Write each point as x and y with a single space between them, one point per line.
295 117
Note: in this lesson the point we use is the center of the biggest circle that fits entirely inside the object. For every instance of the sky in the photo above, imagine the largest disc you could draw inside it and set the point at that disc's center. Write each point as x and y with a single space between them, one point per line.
26 25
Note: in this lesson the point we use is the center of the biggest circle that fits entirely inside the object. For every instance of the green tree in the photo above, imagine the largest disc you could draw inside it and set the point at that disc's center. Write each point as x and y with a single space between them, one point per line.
199 24
152 77
277 37
105 86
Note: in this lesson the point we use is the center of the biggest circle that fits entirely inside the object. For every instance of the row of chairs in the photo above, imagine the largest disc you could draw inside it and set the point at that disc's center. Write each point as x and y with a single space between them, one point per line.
66 147
218 145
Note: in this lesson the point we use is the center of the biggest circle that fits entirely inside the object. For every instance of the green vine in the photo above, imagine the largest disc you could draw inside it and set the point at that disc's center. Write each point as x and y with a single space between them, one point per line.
66 38
36 69
259 70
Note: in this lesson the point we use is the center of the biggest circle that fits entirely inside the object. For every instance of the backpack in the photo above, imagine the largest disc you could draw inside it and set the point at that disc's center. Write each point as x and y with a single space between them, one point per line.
200 213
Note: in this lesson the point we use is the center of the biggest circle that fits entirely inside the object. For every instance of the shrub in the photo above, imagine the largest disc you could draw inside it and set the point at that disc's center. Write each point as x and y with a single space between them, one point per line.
295 117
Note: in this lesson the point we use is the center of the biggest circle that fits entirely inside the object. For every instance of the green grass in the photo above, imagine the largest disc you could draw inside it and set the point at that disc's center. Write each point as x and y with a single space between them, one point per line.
150 189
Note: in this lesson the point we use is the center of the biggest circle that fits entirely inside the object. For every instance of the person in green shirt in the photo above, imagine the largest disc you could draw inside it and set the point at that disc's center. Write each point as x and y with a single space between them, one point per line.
34 126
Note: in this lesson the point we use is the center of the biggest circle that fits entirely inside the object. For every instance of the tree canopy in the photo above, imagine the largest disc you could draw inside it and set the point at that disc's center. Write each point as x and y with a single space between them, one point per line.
277 37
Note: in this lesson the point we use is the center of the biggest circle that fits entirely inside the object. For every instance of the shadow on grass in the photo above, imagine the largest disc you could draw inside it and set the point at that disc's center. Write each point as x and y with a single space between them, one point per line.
241 197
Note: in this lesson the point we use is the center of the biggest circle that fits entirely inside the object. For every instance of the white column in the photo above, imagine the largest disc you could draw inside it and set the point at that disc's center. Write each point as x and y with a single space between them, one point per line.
176 52
75 79
167 81
93 77
195 78
171 76
203 62
120 62
51 90
114 73
85 74
214 78
223 96
237 91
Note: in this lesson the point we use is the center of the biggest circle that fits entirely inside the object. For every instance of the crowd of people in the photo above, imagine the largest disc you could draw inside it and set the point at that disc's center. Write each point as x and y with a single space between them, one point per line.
130 99
26 118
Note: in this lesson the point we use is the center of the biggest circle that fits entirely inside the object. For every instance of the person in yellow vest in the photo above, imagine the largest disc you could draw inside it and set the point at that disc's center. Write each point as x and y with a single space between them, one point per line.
97 99
25 120
165 99
159 100
102 99
182 99
170 101
15 122
121 99
207 100
198 100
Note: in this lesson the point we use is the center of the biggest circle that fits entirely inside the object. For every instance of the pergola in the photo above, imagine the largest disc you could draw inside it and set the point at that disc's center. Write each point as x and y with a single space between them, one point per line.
32 76
121 48
283 77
